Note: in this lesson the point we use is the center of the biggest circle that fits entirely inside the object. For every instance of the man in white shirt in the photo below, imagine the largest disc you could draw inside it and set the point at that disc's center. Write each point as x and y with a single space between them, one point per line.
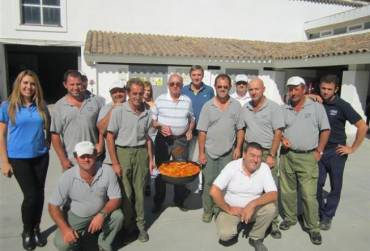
245 192
241 89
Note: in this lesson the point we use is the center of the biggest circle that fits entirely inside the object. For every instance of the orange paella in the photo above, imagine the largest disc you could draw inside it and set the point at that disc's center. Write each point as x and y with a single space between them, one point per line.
179 169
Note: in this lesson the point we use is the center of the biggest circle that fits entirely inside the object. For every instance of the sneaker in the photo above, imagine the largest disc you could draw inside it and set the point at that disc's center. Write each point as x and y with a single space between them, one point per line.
40 241
316 238
275 233
285 225
207 217
325 224
28 241
258 244
143 236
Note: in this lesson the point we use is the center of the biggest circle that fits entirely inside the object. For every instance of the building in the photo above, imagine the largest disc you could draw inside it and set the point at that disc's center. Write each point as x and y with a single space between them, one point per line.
151 39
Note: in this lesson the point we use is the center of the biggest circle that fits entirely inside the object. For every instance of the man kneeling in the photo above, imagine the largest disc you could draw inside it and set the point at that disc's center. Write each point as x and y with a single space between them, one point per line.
250 193
95 198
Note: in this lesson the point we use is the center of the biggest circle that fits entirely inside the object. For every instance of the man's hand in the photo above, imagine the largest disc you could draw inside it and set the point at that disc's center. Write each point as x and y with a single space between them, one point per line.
166 131
117 169
285 142
69 236
151 166
202 158
189 135
270 161
314 97
247 213
317 155
7 169
96 224
236 211
236 153
66 164
343 150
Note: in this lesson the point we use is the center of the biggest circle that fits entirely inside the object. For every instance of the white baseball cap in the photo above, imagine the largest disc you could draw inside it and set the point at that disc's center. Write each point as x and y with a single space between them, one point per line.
117 84
241 78
84 147
295 81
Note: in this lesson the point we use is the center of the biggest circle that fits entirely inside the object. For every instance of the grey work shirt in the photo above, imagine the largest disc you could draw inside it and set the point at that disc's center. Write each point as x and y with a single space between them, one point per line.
86 200
303 128
220 126
131 129
75 124
260 125
103 112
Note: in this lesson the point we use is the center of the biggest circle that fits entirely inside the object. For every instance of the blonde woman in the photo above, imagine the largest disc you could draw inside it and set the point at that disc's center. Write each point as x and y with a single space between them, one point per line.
24 144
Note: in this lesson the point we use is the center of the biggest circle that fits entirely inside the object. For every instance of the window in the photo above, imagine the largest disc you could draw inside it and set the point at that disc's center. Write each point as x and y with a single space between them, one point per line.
314 35
326 33
356 27
340 30
41 12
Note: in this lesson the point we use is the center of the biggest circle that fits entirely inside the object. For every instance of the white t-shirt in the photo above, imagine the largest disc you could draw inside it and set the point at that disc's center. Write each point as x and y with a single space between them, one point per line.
242 100
240 188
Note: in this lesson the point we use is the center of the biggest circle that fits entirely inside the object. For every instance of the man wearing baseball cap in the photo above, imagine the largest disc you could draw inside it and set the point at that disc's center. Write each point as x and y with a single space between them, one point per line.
305 135
241 94
95 198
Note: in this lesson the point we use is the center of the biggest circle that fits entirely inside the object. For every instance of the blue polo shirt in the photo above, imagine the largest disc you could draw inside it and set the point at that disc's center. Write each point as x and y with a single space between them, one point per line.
339 111
25 138
198 99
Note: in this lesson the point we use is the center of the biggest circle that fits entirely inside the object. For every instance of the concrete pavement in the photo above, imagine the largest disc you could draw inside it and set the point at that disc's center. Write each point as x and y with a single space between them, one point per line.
174 229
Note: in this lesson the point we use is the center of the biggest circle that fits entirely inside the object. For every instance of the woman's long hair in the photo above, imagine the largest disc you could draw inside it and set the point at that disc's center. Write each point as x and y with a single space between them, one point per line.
16 100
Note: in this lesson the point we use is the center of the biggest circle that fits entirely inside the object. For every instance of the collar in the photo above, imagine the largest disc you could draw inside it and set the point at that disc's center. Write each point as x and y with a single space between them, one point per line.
307 102
231 99
181 98
97 175
241 169
202 87
126 106
332 102
250 106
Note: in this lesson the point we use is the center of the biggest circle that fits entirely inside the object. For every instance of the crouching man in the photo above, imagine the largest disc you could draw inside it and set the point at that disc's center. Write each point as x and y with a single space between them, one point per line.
95 200
245 192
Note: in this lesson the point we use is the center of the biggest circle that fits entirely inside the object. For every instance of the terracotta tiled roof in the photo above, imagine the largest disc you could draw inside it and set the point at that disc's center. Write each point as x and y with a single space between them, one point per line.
128 44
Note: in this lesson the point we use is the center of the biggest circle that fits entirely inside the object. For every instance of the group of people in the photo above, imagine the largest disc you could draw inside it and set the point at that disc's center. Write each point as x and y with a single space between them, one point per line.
108 151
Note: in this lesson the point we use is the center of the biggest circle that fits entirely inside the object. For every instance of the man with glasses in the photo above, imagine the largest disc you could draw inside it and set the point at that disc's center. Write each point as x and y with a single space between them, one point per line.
219 127
173 117
241 86
130 147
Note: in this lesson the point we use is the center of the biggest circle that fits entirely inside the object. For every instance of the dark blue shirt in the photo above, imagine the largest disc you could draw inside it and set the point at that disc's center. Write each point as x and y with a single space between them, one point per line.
198 99
339 111
25 138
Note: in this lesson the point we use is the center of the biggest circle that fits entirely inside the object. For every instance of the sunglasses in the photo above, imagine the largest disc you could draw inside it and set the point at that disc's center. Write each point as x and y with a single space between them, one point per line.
222 87
172 84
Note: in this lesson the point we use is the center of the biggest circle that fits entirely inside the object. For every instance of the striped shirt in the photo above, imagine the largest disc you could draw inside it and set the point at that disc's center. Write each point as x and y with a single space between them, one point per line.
175 114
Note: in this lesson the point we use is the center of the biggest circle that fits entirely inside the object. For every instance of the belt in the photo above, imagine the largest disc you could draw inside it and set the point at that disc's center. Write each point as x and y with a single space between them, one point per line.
302 151
135 147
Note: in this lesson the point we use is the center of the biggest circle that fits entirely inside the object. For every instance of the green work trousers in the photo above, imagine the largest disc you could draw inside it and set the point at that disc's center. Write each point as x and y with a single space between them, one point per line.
111 226
135 169
210 172
299 170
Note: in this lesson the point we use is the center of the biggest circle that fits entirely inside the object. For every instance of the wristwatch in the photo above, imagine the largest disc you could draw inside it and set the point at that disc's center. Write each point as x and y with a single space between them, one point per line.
320 152
104 214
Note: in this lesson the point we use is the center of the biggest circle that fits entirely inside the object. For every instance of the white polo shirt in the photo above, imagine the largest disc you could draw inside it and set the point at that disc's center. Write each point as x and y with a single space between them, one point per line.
240 188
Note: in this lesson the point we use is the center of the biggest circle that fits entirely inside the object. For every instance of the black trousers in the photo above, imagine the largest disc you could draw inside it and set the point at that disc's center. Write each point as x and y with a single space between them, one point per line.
164 148
30 175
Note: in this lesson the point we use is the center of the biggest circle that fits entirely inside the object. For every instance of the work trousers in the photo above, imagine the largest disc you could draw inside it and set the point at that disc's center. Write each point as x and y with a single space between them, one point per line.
135 170
30 175
299 170
112 224
227 224
211 170
333 164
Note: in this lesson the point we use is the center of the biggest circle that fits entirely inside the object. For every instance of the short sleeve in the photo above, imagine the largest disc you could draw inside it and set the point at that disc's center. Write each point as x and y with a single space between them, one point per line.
224 177
154 111
115 121
239 119
349 113
56 125
191 112
277 117
104 111
4 117
268 181
203 122
60 194
114 191
323 117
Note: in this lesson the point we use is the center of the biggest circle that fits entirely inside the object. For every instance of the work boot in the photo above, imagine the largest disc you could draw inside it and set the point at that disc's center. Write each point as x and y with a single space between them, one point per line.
143 236
285 225
325 224
28 241
275 233
40 241
315 238
258 244
207 217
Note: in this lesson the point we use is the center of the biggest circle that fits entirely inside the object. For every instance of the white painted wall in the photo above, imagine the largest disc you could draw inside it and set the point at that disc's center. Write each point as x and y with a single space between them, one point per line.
3 85
354 91
275 84
246 19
